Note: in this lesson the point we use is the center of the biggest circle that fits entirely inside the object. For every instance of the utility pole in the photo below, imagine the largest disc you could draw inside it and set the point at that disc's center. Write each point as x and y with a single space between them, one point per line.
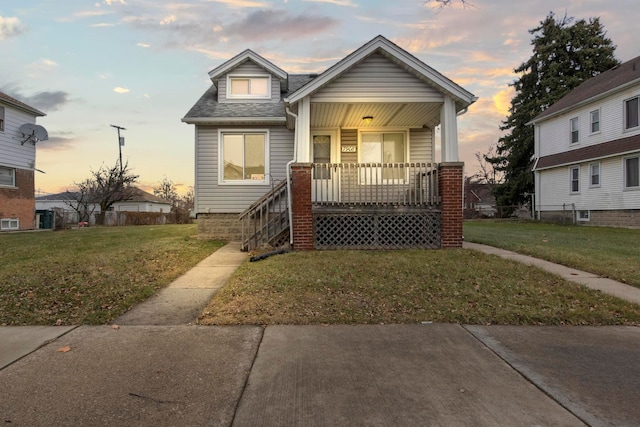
120 143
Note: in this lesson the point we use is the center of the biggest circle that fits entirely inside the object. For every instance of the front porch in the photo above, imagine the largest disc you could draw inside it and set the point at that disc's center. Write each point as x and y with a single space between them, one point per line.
360 206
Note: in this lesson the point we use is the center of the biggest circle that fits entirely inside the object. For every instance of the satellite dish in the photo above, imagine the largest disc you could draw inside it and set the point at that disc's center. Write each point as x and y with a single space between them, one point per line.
33 133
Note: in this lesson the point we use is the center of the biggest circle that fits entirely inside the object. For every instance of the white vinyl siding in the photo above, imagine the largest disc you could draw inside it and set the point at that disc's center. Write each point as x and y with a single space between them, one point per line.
552 133
214 198
611 194
12 152
377 79
248 69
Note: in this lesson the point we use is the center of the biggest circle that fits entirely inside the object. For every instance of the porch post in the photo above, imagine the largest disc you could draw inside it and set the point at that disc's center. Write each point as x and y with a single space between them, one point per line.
450 187
303 131
301 207
449 131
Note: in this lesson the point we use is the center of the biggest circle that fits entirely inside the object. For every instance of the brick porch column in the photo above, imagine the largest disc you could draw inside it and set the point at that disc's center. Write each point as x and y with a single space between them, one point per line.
301 207
450 188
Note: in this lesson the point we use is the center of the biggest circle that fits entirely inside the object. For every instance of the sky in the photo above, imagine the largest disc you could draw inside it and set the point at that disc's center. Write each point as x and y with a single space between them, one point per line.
142 64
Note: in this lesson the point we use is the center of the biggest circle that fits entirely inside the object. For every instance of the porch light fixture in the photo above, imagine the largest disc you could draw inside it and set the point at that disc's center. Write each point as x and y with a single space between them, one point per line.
367 120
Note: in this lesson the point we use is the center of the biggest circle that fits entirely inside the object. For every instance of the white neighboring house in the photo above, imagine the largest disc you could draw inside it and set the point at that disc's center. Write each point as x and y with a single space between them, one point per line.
143 202
17 165
587 151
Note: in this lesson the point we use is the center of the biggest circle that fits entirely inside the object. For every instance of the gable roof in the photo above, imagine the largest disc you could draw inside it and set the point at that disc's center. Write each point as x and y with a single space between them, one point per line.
20 105
396 54
616 79
138 195
247 55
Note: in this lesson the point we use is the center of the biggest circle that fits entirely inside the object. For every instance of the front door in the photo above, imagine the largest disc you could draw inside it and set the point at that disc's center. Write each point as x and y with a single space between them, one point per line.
325 180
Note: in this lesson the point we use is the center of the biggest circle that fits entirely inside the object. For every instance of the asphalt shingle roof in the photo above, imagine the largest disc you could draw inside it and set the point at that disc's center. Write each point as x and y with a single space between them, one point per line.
595 86
12 101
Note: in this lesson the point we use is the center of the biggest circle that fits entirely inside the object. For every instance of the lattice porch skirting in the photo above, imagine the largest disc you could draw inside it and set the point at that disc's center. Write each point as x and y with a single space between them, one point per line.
376 228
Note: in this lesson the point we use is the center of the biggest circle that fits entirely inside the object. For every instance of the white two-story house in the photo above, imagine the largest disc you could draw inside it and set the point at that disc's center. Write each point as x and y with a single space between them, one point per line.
17 164
587 151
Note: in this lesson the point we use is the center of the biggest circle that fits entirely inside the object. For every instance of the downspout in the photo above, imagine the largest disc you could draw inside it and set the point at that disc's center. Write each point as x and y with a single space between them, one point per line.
294 160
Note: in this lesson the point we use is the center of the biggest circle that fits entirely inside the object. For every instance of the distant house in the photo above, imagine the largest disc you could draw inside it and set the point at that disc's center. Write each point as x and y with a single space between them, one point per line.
141 201
479 202
340 159
17 164
587 151
66 206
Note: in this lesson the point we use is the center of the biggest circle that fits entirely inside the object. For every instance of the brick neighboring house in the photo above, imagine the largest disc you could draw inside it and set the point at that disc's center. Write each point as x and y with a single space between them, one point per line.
340 159
587 151
17 165
479 202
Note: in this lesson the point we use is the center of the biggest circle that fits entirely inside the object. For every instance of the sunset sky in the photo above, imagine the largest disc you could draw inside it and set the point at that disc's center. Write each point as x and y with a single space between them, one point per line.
142 64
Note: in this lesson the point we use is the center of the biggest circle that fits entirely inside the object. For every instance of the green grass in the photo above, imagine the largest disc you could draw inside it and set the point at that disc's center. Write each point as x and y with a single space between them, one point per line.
609 252
412 286
90 275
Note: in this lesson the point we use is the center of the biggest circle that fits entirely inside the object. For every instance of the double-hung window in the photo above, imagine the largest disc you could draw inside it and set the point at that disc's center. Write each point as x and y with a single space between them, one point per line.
243 158
1 119
632 173
249 87
575 130
7 177
574 179
631 113
595 121
594 175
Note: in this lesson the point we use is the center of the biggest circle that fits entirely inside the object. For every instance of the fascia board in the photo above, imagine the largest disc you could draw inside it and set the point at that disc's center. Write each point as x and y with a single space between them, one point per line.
238 59
227 120
366 50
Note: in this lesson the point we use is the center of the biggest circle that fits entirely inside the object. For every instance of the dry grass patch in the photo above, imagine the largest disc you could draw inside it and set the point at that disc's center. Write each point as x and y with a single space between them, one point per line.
366 287
91 275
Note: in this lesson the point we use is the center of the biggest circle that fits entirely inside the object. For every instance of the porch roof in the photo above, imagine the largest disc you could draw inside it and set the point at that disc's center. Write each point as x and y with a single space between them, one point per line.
399 56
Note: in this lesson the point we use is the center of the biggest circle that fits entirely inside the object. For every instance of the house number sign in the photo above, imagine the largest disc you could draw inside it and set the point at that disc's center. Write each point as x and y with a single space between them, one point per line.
349 148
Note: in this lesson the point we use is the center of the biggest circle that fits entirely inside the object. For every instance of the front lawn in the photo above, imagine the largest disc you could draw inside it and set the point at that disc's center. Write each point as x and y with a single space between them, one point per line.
606 251
411 286
91 275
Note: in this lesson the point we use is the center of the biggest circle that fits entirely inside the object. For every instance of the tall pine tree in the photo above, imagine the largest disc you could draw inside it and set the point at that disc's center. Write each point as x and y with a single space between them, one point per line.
564 55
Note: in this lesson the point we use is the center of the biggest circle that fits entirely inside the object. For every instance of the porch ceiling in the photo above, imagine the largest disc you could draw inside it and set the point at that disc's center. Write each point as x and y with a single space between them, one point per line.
400 114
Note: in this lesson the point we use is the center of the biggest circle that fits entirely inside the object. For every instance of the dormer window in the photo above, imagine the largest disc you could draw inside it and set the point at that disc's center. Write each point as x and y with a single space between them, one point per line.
249 87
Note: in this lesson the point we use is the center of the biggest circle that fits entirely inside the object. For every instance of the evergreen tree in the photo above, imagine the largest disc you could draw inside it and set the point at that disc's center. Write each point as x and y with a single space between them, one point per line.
564 55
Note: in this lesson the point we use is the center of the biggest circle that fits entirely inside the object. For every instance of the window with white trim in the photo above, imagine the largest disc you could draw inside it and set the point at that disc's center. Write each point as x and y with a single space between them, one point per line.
594 175
574 179
9 224
244 157
1 119
7 177
631 113
595 121
575 130
386 148
249 87
583 215
632 173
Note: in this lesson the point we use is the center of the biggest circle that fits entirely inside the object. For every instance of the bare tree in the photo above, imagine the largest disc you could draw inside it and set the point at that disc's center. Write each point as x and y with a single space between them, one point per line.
82 200
180 205
487 173
167 190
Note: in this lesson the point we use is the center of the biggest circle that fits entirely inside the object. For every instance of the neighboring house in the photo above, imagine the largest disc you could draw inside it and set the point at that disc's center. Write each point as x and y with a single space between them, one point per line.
479 201
65 208
141 201
65 205
587 151
340 159
17 165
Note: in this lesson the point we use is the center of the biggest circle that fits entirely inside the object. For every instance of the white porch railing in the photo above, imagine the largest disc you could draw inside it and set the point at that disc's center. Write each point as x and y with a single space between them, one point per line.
412 184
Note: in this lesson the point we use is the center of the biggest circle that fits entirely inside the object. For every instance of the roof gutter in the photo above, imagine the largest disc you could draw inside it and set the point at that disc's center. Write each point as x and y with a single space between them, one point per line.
232 120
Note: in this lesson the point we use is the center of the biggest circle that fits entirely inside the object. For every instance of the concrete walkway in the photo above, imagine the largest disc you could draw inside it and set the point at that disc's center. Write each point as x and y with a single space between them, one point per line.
157 369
